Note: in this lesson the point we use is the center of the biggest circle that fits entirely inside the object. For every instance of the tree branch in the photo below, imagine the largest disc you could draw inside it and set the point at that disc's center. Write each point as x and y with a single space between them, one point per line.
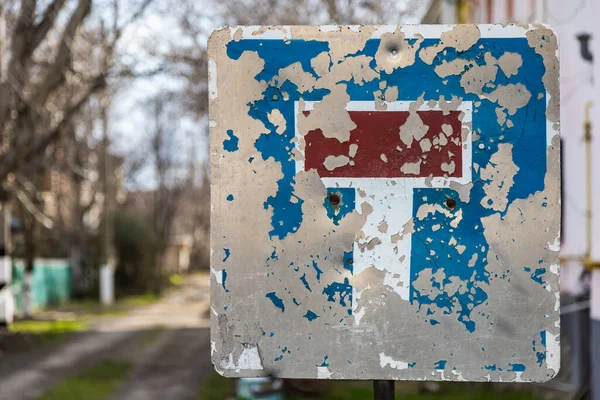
55 75
44 26
14 159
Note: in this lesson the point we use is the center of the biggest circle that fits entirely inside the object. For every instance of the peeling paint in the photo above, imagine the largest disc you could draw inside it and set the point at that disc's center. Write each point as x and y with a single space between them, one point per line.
423 255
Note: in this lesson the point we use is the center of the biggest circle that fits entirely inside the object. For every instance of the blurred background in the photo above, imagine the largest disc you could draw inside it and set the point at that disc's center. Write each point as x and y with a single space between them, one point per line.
104 194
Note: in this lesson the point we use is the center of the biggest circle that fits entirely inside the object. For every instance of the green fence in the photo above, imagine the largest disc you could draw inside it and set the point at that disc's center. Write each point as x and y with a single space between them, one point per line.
51 283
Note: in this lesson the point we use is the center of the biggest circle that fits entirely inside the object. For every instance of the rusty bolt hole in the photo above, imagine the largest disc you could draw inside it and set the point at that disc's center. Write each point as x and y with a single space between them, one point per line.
350 261
334 199
451 203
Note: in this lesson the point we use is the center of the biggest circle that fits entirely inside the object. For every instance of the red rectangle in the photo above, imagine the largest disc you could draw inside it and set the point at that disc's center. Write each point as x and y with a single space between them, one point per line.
382 154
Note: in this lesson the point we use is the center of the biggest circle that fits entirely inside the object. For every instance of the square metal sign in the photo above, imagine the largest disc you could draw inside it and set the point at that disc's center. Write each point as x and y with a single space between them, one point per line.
385 202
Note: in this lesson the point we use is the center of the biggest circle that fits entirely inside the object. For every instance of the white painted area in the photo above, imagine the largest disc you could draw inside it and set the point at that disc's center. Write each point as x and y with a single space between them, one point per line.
323 373
330 28
392 201
385 361
356 312
218 273
552 351
7 305
518 377
107 284
5 269
459 376
595 295
213 90
248 360
283 32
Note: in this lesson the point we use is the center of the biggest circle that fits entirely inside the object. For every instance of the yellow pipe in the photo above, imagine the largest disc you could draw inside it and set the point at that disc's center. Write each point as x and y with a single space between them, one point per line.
587 137
463 12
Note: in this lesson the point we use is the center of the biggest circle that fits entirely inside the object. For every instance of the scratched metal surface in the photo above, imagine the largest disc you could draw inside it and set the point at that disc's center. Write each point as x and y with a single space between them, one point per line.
437 255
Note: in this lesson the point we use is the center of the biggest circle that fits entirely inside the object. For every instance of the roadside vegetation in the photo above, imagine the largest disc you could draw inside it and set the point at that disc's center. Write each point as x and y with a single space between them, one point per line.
218 388
95 383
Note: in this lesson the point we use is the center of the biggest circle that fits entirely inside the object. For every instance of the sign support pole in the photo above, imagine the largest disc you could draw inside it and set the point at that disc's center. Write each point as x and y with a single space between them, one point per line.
384 390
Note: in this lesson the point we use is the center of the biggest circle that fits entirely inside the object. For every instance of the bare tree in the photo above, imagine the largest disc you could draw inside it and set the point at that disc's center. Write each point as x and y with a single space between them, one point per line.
55 57
170 184
54 65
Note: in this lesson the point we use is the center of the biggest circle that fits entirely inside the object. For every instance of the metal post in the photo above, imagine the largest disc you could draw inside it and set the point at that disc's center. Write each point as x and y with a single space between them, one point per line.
384 390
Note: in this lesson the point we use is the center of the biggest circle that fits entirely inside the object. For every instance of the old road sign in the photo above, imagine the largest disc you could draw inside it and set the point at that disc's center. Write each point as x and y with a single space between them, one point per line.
385 202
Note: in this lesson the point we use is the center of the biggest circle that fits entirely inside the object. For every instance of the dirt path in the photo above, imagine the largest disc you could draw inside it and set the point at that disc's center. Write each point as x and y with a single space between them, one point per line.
168 344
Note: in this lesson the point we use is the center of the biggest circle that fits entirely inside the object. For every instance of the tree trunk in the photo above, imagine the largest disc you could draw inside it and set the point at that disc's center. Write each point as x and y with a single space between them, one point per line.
29 228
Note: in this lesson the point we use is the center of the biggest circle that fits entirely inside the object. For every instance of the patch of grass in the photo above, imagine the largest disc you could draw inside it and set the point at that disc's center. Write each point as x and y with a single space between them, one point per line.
95 383
175 279
216 388
48 331
448 391
91 307
139 299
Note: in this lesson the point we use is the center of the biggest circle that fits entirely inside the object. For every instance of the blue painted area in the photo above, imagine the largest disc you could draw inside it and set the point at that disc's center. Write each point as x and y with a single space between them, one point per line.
536 276
227 254
325 363
516 367
434 322
317 270
440 364
231 144
412 365
223 279
540 354
342 290
279 54
305 283
295 301
310 315
490 367
346 206
529 154
276 301
349 261
475 278
230 197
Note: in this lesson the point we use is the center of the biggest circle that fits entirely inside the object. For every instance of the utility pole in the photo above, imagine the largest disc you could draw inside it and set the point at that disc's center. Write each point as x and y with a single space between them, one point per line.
6 296
107 271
